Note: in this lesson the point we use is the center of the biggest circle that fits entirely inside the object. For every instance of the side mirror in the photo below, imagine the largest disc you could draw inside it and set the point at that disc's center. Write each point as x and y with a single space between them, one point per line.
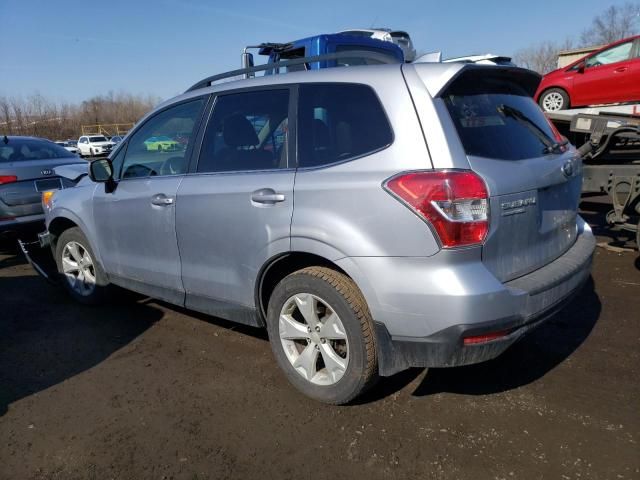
581 68
101 171
247 62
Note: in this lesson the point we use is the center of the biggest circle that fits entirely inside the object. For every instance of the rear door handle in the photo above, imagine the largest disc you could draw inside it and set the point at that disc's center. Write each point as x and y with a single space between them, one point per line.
267 196
620 69
162 200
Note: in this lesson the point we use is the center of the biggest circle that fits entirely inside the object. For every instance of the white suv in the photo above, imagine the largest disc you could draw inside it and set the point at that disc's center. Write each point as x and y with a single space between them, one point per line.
94 145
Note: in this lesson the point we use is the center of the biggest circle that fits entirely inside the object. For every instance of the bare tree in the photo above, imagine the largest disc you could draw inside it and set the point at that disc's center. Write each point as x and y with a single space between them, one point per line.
615 23
542 57
41 117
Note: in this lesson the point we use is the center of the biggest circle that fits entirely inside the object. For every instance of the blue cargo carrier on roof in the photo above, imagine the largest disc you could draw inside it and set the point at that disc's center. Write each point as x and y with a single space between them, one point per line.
321 45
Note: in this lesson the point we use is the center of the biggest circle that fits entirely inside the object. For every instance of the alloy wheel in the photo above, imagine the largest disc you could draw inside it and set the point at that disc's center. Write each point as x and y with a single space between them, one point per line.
78 269
314 339
552 102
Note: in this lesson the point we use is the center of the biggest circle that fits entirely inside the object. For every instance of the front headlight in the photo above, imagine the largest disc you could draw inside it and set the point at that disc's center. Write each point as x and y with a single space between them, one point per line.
47 197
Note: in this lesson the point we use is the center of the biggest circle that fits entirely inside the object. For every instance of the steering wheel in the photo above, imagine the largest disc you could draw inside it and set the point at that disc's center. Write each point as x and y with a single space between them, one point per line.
172 166
138 170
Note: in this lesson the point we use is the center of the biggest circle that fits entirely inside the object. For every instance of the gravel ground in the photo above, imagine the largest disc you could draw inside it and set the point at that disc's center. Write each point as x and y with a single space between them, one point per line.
145 390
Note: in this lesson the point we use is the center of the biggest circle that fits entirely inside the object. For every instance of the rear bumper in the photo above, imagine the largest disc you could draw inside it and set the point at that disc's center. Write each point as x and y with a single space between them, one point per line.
19 223
478 307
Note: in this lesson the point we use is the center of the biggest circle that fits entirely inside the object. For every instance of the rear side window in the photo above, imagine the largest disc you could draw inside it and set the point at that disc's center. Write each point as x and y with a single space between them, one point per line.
496 118
25 149
247 131
337 122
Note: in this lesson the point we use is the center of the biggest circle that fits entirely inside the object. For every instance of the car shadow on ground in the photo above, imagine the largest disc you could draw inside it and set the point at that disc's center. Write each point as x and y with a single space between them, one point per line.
46 338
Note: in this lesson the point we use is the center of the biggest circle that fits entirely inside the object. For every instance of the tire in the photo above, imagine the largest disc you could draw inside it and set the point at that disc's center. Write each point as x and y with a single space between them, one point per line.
553 100
345 363
90 285
91 152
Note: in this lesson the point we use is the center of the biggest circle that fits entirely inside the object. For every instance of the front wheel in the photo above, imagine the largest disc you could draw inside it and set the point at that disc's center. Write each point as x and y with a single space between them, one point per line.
321 333
554 99
81 274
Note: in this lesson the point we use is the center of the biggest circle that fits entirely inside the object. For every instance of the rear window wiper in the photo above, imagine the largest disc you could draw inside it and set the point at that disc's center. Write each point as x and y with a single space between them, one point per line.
549 145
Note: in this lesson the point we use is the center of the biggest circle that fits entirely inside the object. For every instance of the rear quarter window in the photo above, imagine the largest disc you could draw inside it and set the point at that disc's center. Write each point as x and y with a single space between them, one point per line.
338 122
496 118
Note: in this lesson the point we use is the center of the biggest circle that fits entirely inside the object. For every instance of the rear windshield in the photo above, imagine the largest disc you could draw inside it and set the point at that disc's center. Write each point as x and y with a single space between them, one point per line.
496 118
21 149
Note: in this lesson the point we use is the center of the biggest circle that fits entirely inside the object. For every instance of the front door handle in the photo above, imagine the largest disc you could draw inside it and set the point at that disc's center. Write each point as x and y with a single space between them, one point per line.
162 200
620 69
267 196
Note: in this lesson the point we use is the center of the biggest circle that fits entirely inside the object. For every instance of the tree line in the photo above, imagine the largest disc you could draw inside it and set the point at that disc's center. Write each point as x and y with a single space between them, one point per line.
614 23
38 116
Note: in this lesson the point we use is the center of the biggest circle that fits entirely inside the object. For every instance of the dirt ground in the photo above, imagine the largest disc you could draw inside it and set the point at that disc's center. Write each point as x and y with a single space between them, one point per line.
146 390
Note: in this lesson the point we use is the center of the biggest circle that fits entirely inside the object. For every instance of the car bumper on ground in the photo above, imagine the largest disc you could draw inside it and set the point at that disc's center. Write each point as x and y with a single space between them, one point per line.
38 254
479 319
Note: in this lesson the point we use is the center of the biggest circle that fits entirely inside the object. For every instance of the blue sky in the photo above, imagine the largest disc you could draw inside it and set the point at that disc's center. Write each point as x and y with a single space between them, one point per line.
71 50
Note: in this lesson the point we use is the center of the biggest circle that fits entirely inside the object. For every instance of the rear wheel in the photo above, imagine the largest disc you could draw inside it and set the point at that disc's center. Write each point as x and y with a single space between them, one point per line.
321 333
82 276
553 100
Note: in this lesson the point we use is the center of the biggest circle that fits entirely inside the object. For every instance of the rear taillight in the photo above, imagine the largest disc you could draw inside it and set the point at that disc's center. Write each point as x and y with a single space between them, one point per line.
8 179
485 338
455 202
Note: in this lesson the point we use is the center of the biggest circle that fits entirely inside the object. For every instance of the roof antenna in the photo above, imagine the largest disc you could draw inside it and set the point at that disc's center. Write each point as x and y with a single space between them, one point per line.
5 139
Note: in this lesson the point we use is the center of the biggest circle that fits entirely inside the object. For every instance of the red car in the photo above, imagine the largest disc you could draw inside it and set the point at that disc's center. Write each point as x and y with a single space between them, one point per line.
608 75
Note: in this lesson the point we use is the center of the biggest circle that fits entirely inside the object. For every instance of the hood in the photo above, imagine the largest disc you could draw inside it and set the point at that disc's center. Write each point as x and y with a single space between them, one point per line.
72 171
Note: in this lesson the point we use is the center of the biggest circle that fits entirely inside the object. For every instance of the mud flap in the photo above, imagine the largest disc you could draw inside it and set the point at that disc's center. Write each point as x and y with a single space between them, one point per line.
41 259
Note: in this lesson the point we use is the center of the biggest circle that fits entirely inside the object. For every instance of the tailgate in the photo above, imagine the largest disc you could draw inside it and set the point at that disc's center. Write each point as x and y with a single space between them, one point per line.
534 181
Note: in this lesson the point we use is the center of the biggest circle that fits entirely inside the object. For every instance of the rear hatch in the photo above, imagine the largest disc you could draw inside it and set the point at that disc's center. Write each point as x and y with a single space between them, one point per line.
534 182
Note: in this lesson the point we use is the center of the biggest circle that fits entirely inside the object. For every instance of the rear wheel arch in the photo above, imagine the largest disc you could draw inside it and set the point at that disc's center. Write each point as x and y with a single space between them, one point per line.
277 268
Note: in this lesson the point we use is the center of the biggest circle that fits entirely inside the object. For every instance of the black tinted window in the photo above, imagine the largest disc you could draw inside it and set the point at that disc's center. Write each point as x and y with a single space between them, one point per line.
247 131
160 146
338 122
23 149
496 118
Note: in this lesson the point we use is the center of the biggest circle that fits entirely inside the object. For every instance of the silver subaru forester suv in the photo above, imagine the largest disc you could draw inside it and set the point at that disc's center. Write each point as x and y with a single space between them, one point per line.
372 218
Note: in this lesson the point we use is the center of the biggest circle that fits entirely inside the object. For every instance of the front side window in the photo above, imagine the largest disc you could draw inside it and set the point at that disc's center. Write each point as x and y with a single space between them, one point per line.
247 131
338 122
159 147
615 54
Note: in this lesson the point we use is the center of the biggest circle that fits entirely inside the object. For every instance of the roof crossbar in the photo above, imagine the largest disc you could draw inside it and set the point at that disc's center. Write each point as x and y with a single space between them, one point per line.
352 54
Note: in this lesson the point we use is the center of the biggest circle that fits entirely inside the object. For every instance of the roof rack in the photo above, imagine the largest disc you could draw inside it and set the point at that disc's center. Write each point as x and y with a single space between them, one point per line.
353 54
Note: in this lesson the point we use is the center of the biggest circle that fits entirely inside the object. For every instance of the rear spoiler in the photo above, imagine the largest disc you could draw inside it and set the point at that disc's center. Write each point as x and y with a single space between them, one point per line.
440 77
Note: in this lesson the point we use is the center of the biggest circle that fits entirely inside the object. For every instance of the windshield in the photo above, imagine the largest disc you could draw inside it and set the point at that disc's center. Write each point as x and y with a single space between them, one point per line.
98 139
359 60
496 118
23 149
